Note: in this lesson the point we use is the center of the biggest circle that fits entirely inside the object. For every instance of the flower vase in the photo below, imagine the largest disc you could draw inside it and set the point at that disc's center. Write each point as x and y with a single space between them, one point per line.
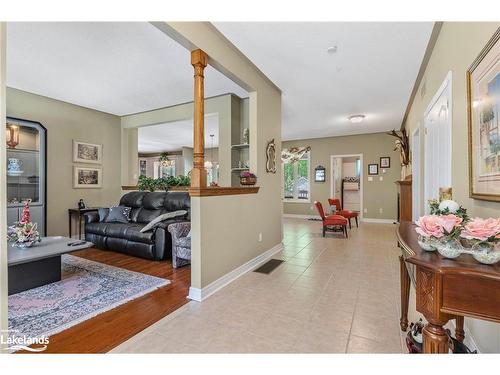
449 248
426 243
485 252
23 245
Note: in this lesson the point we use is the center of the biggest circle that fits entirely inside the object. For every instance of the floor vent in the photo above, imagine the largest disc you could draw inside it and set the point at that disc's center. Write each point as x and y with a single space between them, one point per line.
269 266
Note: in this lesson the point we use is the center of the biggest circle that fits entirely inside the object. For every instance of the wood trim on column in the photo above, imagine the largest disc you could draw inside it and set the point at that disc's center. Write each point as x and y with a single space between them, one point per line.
219 190
199 60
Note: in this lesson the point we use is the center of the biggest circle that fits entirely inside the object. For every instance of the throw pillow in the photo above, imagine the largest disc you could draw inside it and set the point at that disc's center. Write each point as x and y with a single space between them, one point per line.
118 214
103 214
155 222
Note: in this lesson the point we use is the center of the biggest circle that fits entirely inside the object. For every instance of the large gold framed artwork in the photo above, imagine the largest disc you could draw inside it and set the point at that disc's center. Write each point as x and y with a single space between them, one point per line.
483 110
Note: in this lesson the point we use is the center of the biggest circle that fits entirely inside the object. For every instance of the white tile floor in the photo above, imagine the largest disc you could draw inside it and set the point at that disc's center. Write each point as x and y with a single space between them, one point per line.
332 295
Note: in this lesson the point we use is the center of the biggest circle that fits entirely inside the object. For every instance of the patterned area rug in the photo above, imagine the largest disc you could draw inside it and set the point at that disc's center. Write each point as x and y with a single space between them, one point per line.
88 288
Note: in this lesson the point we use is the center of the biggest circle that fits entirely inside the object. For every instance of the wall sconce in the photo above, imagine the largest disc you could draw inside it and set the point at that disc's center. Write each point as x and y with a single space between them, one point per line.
12 136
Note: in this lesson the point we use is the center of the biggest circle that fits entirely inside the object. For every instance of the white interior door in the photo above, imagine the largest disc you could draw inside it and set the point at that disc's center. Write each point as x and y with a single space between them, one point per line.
437 120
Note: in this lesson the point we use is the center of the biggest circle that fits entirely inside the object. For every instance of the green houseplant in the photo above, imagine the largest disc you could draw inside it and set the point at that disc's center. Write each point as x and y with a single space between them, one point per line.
164 183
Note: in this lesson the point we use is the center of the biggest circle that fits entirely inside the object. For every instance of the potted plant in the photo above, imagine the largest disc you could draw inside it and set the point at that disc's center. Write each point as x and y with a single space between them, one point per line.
440 232
248 178
429 231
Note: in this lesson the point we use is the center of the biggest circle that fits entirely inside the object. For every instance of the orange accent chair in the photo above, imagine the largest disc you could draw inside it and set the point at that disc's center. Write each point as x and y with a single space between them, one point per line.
345 213
331 220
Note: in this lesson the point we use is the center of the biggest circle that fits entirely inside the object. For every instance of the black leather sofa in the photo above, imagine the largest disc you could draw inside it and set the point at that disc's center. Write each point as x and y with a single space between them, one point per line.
127 238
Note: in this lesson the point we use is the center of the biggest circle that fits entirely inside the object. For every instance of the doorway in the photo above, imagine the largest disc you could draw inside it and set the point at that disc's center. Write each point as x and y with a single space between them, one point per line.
346 173
437 122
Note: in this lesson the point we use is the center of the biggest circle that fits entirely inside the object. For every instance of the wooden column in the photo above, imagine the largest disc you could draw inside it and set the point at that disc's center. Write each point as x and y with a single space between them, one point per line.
199 60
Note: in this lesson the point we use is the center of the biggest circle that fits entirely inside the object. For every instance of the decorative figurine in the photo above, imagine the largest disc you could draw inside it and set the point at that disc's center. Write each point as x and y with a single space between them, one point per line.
81 204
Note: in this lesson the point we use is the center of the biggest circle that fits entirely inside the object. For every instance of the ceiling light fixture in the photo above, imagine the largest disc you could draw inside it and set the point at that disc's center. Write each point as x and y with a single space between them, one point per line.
356 119
332 49
209 164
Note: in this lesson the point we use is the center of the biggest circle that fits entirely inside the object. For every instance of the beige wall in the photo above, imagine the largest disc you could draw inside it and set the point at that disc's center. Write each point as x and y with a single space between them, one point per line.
241 217
456 48
65 122
376 194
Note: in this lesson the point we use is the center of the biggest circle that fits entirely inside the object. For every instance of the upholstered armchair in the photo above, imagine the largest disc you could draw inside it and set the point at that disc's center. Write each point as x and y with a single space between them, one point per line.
181 244
331 221
345 213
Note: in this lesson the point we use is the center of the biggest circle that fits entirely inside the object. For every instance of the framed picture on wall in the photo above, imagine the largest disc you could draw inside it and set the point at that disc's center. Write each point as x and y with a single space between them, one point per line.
319 174
87 153
483 110
87 177
385 162
372 169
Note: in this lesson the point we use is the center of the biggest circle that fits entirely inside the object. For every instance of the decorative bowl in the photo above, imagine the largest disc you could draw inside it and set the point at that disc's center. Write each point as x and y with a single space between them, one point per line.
426 243
485 253
449 248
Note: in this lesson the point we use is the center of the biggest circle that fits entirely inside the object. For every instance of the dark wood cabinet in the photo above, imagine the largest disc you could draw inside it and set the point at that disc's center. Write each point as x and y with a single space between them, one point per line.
404 200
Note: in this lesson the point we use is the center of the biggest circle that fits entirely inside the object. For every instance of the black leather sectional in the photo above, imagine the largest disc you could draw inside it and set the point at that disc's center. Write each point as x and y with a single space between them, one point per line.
127 238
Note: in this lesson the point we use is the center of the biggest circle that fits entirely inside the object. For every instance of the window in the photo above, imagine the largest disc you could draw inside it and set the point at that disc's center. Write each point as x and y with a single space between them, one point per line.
163 171
296 180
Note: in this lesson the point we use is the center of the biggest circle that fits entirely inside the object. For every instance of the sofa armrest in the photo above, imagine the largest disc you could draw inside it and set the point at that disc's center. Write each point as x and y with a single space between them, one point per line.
179 230
91 217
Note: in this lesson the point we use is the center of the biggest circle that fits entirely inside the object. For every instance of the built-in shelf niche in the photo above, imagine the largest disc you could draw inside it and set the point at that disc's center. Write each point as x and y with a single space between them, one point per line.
240 148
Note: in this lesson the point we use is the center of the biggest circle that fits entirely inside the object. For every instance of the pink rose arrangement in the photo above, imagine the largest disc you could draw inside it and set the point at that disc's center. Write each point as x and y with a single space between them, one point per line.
482 230
429 226
439 226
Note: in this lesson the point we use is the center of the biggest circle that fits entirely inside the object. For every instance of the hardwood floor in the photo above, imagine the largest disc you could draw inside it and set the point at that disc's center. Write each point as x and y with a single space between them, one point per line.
107 330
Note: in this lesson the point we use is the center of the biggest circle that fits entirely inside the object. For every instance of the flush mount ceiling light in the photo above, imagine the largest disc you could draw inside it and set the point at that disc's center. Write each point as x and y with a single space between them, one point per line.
356 119
332 49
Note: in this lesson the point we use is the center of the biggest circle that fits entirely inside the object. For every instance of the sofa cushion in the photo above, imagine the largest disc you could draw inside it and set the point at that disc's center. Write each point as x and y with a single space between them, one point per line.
118 214
134 234
134 214
177 200
154 201
103 214
145 216
129 231
133 199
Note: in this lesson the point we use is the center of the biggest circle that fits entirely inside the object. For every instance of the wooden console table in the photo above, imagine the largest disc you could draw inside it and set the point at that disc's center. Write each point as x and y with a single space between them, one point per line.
446 289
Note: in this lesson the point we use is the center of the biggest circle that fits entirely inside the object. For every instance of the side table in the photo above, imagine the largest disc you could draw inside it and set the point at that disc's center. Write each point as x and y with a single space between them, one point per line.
79 213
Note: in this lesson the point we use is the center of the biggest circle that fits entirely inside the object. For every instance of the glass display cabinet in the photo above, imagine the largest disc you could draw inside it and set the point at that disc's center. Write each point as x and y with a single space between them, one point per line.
26 170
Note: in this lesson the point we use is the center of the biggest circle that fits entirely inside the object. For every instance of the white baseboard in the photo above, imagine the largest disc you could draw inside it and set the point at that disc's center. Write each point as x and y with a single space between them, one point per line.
469 339
379 221
197 294
295 216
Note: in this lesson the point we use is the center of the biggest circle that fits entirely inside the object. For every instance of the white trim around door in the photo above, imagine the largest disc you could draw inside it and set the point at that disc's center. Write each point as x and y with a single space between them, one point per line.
438 119
361 173
416 166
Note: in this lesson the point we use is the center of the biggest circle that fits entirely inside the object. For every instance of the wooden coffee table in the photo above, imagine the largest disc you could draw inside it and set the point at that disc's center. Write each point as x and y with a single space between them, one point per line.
39 265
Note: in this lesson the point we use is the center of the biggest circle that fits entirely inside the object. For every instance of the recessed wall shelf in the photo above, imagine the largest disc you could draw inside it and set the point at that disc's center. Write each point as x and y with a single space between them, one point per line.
239 169
243 145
